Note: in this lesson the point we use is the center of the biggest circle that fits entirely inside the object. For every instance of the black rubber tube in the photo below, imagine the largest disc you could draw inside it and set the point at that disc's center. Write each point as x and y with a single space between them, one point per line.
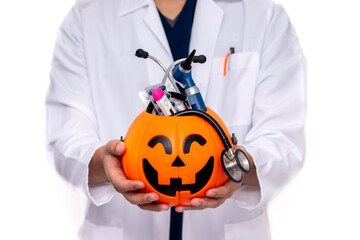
194 112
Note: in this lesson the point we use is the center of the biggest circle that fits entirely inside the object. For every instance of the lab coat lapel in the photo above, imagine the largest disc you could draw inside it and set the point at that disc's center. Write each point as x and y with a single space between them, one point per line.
152 20
206 27
154 27
150 34
126 7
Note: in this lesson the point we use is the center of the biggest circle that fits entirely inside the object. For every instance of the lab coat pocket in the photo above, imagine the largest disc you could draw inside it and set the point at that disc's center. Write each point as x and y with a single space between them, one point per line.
231 96
255 229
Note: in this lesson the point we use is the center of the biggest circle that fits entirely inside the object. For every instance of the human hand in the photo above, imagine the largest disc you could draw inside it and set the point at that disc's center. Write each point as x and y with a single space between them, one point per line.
105 166
214 197
217 196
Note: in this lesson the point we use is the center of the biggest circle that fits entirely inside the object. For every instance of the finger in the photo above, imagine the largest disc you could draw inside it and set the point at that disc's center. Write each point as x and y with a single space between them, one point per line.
180 209
207 202
116 176
123 185
201 203
115 147
157 207
140 197
240 147
224 191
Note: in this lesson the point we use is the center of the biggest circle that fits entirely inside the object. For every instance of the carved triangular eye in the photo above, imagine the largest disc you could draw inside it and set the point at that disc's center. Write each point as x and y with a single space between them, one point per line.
178 163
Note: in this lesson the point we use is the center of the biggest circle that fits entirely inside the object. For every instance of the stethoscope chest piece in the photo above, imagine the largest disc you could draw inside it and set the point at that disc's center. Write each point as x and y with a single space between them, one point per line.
235 164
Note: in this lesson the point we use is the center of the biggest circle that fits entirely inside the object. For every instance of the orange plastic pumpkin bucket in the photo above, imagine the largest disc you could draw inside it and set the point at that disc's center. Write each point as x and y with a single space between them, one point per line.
177 157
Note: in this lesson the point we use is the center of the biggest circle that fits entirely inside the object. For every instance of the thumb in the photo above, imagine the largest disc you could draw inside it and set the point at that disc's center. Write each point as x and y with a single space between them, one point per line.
115 147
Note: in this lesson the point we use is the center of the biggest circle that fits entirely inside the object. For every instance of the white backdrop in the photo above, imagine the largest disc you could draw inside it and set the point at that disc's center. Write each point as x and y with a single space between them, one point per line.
321 203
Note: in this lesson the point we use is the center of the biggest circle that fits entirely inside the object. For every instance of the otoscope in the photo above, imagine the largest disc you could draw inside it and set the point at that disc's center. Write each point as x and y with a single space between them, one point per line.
184 81
182 75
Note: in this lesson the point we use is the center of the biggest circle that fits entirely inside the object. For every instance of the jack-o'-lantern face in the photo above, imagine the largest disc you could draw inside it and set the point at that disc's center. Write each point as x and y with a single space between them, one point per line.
176 157
200 178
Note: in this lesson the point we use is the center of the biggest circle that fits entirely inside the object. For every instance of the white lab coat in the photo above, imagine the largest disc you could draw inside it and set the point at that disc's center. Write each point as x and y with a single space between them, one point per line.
93 97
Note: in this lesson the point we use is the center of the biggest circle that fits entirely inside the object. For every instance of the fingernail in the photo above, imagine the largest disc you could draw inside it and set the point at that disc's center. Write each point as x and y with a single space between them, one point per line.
211 194
151 199
138 187
119 148
197 204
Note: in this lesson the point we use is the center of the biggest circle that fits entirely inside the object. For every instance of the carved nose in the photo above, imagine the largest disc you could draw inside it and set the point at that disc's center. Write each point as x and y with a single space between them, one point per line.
178 162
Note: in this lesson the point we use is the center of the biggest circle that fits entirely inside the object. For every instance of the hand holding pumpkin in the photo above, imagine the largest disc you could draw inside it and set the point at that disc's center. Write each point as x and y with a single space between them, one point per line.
217 196
214 197
105 166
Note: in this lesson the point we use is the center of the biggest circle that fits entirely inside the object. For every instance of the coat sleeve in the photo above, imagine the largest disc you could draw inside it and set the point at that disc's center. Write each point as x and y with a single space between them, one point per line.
72 130
276 138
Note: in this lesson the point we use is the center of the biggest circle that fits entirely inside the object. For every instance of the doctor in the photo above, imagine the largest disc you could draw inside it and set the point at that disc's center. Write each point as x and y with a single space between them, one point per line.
93 99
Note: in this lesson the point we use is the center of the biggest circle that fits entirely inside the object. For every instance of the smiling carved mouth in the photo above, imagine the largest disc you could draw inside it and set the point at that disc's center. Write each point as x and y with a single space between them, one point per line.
201 178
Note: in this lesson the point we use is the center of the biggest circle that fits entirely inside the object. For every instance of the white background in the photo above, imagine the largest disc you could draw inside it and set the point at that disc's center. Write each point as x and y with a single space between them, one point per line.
321 203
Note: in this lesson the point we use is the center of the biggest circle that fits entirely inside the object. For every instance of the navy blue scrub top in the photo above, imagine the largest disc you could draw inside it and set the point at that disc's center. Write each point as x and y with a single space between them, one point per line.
178 38
179 35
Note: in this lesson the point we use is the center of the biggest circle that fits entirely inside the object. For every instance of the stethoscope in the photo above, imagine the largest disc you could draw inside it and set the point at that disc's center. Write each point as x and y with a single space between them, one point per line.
234 163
